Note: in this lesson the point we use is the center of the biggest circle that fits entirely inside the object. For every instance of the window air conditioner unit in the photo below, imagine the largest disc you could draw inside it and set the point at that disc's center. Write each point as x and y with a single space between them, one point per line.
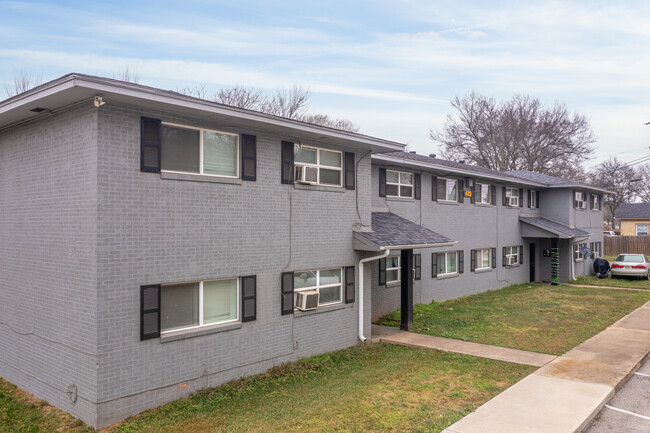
305 174
307 300
512 260
512 201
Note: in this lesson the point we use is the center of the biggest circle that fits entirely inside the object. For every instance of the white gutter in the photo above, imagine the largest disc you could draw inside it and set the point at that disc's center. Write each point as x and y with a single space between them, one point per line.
361 262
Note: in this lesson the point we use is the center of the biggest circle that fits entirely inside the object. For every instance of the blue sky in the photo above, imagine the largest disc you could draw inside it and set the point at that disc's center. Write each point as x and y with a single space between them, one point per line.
389 66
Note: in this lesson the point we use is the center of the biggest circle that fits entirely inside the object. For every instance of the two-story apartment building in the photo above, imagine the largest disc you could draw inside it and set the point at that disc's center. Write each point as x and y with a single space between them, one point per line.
154 244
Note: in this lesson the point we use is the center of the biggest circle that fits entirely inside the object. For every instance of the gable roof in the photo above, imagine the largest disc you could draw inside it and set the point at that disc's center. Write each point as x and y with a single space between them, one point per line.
560 230
633 210
390 231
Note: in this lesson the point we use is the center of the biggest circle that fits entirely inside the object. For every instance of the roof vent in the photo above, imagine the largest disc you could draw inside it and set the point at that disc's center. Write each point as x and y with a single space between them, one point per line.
432 155
38 109
413 151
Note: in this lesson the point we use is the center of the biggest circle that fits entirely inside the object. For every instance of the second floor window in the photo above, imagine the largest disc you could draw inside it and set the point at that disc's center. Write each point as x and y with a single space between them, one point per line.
579 200
512 197
318 166
484 196
447 189
399 184
534 199
595 202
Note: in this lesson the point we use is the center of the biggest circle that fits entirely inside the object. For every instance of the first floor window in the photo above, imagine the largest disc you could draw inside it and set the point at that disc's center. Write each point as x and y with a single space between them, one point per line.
327 282
399 184
597 249
579 200
200 151
199 303
447 189
393 269
512 197
447 263
512 256
576 251
484 193
483 259
320 166
642 230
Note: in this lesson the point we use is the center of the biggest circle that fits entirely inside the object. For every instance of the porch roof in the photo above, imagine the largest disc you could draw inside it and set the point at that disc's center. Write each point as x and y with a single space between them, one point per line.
390 231
540 227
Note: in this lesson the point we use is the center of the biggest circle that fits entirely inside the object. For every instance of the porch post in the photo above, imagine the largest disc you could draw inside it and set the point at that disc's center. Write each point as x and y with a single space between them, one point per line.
555 262
406 262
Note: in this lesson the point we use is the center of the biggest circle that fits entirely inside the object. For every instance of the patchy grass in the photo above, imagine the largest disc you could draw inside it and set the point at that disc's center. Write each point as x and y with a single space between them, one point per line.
22 413
630 283
535 317
367 388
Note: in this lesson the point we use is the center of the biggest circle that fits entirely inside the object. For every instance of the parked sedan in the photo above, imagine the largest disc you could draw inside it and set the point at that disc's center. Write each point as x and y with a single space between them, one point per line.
630 265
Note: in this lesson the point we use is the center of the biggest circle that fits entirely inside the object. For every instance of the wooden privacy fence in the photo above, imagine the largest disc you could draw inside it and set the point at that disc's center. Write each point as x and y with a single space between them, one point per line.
626 244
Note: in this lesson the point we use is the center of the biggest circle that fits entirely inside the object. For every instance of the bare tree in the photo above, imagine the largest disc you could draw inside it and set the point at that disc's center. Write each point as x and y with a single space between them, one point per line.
249 98
641 186
128 75
23 80
199 91
290 103
619 177
518 134
325 120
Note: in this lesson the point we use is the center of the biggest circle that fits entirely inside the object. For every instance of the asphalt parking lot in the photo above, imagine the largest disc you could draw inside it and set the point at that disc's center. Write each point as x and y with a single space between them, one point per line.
629 410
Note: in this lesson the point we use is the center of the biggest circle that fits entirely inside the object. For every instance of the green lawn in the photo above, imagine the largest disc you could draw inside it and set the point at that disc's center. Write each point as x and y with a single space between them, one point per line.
631 283
367 388
535 317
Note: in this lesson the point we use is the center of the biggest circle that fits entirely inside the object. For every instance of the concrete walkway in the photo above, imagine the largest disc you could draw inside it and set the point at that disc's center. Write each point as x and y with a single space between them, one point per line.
606 287
392 335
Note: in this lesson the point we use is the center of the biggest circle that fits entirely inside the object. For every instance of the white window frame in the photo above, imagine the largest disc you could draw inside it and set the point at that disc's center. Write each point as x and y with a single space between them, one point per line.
318 165
445 254
201 324
577 257
595 202
479 258
534 198
509 195
399 183
201 130
596 251
480 197
319 286
398 268
582 202
512 251
637 229
444 179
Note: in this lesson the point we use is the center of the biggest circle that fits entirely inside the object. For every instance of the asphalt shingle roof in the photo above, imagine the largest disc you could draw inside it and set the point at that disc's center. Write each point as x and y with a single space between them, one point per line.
552 226
633 210
541 178
390 230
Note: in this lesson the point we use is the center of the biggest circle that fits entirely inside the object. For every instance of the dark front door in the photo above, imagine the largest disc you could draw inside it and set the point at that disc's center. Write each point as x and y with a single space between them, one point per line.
532 262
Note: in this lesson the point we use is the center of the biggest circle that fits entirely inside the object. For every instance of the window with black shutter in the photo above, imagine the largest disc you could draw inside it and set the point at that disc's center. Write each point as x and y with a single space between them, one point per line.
287 292
417 266
434 188
461 261
382 272
503 196
434 265
472 260
505 260
521 254
382 182
349 170
417 186
529 193
150 139
350 284
493 192
249 298
149 311
461 191
494 258
248 157
287 163
521 197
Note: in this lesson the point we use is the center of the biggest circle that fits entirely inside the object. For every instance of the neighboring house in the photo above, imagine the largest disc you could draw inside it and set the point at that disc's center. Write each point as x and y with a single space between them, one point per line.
155 244
634 219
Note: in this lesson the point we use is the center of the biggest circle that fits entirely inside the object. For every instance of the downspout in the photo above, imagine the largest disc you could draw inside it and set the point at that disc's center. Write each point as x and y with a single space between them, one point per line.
361 262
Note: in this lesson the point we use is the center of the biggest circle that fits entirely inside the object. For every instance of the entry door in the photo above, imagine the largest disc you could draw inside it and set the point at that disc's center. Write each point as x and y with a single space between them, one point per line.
532 262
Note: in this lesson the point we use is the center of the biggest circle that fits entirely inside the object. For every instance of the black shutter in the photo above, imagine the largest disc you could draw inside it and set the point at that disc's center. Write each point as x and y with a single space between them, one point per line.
472 260
149 311
600 202
248 157
248 298
494 258
287 165
461 261
476 193
591 246
575 202
461 191
504 196
382 272
521 254
493 194
504 257
350 178
434 265
417 263
529 194
434 188
287 292
382 182
537 199
417 186
521 197
150 144
350 284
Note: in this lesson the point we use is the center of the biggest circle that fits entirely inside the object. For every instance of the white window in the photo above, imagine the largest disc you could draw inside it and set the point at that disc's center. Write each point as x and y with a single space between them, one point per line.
642 230
579 200
200 151
393 269
512 197
318 166
399 184
576 251
595 202
597 250
484 191
447 263
483 259
534 197
199 303
325 281
447 189
512 256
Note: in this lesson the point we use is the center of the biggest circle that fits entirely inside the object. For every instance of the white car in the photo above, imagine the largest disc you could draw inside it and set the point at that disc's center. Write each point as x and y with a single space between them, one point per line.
630 265
609 233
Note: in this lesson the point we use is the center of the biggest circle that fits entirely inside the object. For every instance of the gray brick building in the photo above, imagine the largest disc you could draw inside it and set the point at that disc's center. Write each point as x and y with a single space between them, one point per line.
154 244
